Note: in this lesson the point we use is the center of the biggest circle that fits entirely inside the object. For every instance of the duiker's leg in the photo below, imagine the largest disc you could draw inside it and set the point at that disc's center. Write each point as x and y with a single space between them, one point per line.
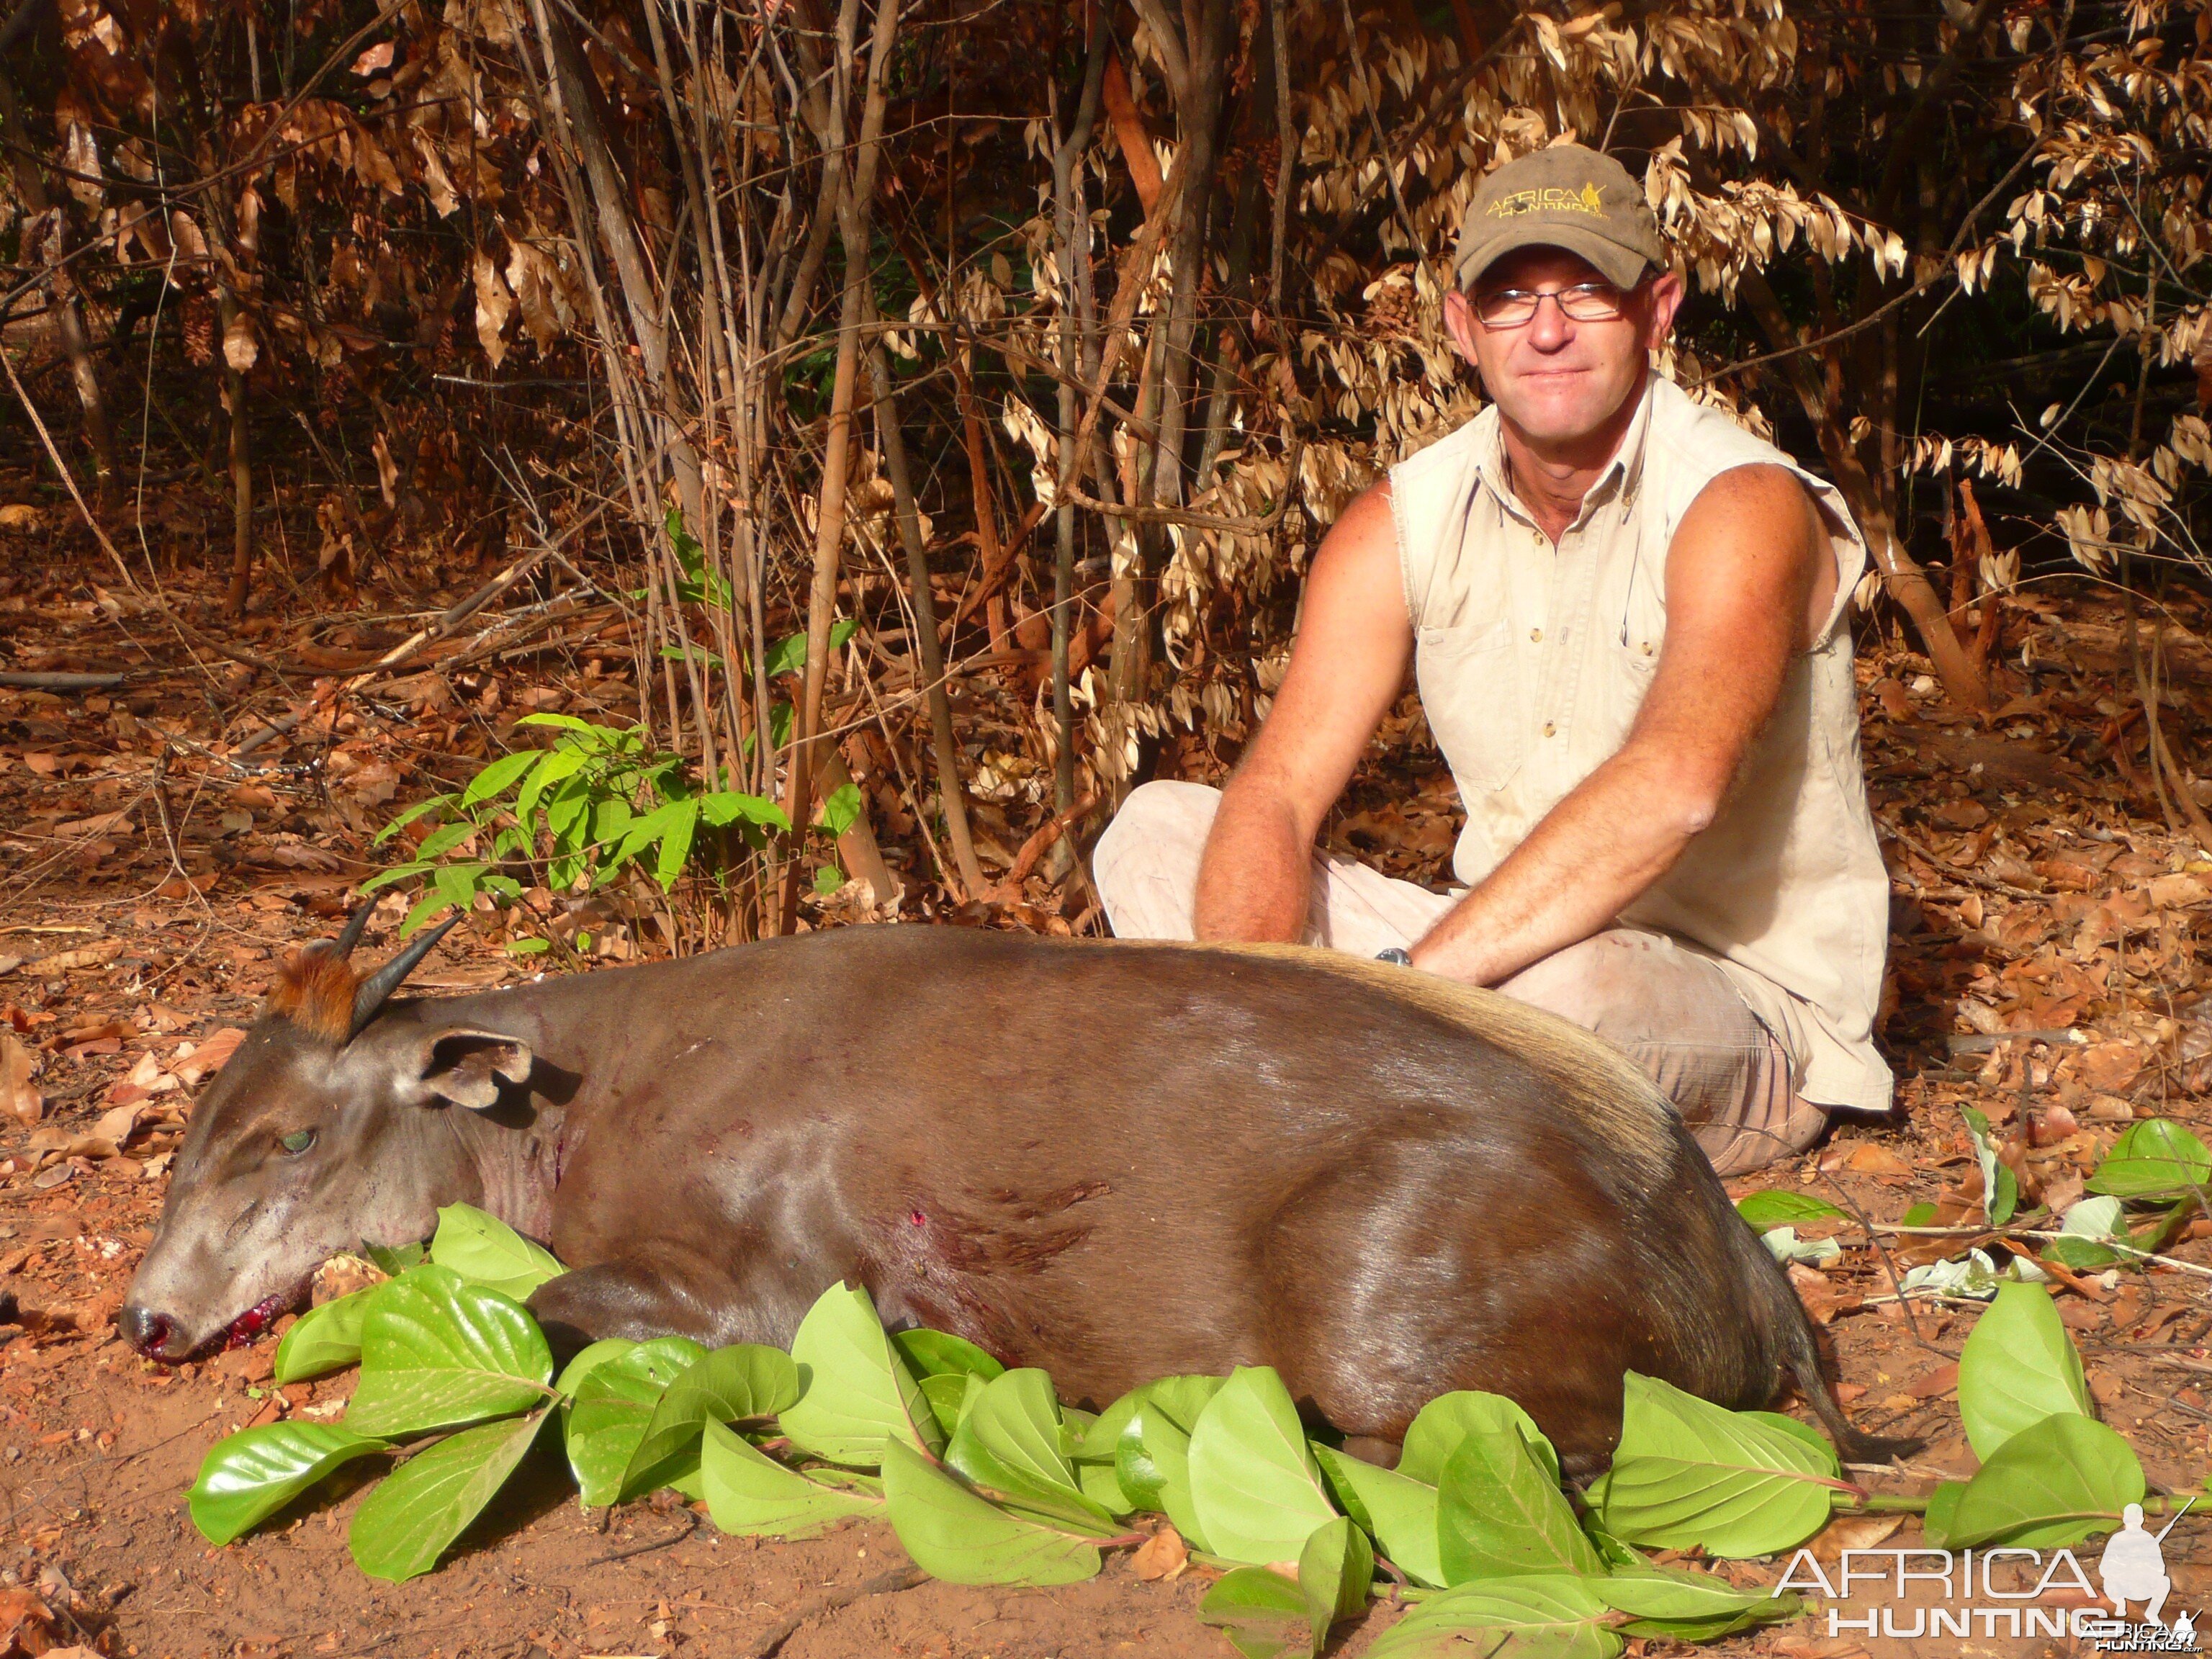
664 1297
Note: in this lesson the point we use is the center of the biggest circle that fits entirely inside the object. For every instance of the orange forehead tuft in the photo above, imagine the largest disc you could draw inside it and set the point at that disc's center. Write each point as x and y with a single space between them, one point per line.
314 990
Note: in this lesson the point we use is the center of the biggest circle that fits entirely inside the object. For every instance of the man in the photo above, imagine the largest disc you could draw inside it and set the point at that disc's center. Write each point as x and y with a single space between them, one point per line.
1626 618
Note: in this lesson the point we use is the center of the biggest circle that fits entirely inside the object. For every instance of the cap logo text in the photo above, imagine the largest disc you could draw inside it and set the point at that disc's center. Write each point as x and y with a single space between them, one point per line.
1550 198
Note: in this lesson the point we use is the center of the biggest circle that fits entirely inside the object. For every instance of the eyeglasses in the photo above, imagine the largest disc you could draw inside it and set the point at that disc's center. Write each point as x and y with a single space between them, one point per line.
1515 307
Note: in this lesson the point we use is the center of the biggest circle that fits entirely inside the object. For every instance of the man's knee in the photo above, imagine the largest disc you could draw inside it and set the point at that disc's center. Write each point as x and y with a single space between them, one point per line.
1593 982
1147 862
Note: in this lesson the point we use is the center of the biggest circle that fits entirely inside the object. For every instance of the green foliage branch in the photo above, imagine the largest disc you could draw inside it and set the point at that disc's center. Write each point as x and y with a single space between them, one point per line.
988 1479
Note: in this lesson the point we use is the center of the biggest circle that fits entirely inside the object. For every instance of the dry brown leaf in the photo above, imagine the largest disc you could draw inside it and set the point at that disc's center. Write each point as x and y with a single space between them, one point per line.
2107 1068
1852 1532
1874 1160
1930 1384
18 1099
115 1125
54 1138
1163 1555
102 823
210 1056
85 956
342 1275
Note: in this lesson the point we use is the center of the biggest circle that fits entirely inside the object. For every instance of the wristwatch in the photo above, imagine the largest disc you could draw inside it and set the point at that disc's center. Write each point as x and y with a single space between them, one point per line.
1403 959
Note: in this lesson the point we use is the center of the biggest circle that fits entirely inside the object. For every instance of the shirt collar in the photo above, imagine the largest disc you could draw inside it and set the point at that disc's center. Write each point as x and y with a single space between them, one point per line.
1620 477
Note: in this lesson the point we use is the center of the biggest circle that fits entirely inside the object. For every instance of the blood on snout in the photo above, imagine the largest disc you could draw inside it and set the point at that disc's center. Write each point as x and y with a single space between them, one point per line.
917 1218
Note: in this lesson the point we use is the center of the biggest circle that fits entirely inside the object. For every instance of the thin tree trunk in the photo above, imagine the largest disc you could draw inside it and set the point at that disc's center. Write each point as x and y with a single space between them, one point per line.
1071 225
241 465
952 795
855 198
61 292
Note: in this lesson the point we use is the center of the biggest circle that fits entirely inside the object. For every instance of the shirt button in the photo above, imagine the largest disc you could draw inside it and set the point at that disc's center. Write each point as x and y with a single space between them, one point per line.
1535 637
1547 728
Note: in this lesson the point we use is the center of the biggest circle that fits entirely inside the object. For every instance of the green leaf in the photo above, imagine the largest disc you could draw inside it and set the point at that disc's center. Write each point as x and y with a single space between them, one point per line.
1398 1514
499 776
1920 1215
529 947
1172 1407
2017 1367
1501 1513
588 1359
1261 1612
554 766
1554 1617
1008 1446
828 879
2155 1158
325 1339
940 1354
425 907
1094 1456
1773 1208
1254 1482
729 1385
456 883
2054 1483
748 1492
1439 1426
950 1393
675 843
1687 1472
484 1250
954 1535
727 806
408 816
614 1407
397 1258
841 808
1334 1569
855 1391
436 1351
2000 1186
1692 1606
444 839
249 1476
421 1507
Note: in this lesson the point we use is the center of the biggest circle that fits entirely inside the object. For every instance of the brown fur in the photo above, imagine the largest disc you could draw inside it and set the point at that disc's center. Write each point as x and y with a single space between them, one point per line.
314 991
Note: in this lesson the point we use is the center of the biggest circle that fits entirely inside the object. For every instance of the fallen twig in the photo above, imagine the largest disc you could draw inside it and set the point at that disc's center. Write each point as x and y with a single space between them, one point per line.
29 681
884 1584
692 1526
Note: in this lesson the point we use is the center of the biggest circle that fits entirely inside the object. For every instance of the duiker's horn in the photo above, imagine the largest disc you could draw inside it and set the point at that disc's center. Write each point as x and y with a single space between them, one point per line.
356 925
385 979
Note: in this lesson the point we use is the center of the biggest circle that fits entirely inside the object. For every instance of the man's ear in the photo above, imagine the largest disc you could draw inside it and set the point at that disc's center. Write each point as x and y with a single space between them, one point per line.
465 1067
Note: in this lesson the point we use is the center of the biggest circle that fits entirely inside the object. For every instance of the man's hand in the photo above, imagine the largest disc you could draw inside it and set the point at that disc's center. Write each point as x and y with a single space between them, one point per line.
1347 664
1750 579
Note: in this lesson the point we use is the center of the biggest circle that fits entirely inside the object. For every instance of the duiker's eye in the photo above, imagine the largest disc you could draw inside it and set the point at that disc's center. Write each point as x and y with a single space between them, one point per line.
298 1141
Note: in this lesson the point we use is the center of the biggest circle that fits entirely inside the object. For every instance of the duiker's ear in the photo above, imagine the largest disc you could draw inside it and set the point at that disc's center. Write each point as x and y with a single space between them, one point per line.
464 1067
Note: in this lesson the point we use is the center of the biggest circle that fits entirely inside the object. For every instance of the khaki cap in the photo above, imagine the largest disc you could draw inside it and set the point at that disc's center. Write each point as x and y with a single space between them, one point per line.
1565 196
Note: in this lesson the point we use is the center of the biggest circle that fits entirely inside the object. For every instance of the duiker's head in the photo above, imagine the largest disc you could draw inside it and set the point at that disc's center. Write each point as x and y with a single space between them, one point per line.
317 1137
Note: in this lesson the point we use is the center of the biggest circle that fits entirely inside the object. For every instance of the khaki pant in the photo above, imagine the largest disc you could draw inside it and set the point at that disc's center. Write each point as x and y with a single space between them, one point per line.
1660 1003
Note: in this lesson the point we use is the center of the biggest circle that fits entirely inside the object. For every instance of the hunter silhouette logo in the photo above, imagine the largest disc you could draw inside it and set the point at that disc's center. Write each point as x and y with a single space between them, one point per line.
1551 198
2133 1569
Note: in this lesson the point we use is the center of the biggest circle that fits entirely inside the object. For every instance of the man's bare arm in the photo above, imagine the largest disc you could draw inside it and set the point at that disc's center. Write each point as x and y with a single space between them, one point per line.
1346 666
1748 576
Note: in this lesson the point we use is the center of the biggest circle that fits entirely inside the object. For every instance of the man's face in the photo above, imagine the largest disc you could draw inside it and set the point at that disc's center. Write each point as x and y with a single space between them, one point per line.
1556 380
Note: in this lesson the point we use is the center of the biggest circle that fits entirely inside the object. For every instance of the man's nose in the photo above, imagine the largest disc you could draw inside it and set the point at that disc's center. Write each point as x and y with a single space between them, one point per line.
1550 327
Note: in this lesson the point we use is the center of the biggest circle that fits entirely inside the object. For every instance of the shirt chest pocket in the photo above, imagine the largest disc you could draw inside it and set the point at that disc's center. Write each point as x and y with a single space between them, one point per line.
1471 691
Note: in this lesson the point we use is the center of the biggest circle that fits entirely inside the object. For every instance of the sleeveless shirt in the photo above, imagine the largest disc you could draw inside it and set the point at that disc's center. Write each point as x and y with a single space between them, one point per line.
1533 660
